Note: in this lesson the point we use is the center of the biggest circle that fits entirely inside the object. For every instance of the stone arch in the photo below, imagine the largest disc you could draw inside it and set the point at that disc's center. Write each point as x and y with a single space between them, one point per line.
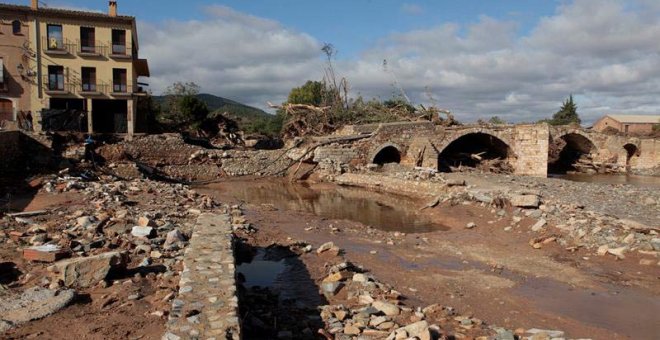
472 146
386 153
631 150
567 149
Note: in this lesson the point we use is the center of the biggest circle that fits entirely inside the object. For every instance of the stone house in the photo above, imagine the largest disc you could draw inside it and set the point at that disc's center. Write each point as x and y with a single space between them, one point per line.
628 124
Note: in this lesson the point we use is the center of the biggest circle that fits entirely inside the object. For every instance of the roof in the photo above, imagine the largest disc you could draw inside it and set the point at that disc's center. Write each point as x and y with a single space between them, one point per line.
67 13
636 119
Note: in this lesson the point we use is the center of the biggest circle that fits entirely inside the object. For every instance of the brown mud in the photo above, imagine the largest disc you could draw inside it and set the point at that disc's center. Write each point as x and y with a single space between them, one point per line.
488 272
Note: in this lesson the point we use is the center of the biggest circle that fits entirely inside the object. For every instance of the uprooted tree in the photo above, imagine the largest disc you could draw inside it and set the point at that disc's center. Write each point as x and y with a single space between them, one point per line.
321 107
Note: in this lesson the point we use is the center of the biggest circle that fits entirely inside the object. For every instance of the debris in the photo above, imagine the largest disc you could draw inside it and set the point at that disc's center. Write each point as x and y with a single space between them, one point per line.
45 253
87 271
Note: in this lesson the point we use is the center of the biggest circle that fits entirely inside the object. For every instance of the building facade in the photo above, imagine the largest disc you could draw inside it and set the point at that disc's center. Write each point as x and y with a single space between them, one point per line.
83 69
628 124
15 56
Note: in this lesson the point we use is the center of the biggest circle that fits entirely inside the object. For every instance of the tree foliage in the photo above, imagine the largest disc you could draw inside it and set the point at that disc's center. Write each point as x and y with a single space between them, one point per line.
567 114
183 110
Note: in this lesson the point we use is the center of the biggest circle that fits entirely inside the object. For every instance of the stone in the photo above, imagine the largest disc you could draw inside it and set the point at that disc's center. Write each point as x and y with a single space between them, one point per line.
602 250
618 252
655 243
386 307
351 330
174 236
359 277
539 225
141 231
146 222
418 329
84 222
548 333
45 253
455 182
330 288
524 201
325 247
85 272
471 225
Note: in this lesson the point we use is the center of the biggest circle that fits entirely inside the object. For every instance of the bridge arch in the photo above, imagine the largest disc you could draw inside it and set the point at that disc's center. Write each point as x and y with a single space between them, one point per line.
386 153
631 151
567 149
471 147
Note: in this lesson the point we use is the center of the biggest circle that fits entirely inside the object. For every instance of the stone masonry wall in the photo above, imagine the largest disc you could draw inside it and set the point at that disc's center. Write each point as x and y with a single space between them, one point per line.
649 155
531 148
207 305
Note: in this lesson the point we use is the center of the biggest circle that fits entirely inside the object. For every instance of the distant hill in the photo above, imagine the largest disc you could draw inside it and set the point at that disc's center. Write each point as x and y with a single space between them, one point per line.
249 118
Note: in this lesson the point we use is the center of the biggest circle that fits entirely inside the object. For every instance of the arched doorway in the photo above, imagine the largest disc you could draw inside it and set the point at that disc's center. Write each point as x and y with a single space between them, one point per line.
388 154
631 151
569 153
476 150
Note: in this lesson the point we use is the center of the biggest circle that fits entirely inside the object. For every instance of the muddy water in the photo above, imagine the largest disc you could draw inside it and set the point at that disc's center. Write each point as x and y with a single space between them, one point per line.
385 212
645 181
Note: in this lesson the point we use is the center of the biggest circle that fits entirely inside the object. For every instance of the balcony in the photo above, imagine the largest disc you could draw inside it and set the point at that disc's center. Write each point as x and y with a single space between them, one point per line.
120 52
59 89
91 90
95 50
54 46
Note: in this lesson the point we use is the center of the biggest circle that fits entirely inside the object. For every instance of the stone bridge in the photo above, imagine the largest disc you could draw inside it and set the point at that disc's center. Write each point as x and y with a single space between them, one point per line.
528 148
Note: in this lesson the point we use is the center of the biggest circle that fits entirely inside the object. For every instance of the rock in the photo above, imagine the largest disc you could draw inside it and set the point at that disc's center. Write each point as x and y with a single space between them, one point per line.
351 330
547 333
174 236
524 201
87 271
418 329
325 247
359 277
455 182
618 252
471 225
602 250
655 243
84 222
330 288
140 231
146 222
386 307
34 303
539 225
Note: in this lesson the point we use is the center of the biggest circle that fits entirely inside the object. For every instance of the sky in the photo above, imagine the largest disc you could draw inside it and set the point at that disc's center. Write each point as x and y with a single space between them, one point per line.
514 59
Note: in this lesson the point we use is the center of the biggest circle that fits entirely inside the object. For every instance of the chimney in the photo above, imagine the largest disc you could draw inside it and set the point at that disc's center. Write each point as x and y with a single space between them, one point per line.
35 5
112 8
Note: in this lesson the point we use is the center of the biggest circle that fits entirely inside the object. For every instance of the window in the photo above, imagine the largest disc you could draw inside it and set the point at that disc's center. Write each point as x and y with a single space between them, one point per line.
119 80
118 42
3 83
55 39
87 40
88 79
16 26
55 78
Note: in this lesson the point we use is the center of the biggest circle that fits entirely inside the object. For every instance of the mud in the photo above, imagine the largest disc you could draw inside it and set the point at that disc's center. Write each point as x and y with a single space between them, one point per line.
489 272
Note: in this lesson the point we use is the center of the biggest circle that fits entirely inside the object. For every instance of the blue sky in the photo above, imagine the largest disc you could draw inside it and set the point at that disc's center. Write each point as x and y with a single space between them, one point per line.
515 59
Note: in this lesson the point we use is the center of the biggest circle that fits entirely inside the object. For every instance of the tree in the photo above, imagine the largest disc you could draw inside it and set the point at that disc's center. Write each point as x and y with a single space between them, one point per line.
311 93
183 109
495 120
567 114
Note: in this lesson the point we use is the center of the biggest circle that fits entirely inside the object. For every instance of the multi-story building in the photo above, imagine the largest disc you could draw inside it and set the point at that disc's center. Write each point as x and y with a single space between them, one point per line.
85 63
15 59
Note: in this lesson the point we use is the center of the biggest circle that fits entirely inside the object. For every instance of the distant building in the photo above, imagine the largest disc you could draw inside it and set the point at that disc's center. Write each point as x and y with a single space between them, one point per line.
74 61
628 124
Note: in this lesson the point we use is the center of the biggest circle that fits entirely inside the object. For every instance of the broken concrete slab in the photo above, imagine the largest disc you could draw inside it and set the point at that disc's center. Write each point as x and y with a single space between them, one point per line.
87 271
35 303
524 201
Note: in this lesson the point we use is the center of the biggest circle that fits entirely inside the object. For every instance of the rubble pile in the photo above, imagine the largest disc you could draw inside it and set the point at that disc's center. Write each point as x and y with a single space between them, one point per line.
125 236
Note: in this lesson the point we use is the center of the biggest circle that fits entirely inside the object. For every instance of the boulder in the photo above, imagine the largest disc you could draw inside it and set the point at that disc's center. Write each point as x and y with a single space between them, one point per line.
387 308
87 271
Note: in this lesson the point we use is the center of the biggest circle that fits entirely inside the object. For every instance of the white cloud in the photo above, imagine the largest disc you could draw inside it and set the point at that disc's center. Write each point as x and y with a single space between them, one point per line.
605 52
231 54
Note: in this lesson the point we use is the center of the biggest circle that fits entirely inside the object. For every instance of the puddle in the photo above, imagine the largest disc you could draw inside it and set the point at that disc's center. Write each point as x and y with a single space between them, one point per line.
261 272
385 212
